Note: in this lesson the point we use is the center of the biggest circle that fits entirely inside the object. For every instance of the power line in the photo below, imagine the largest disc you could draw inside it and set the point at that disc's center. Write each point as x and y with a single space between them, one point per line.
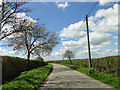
83 21
77 32
92 8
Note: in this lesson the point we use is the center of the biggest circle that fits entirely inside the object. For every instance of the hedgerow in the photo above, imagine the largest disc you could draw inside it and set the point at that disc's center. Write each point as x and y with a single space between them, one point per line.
29 80
105 78
13 66
108 65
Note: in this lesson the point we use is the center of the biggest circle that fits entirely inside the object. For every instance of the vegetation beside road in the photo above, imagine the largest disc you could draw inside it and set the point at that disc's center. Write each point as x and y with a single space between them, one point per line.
105 78
108 65
13 66
30 79
105 69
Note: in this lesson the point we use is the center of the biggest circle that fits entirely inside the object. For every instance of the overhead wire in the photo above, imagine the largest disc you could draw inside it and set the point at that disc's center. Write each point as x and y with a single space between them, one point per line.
83 22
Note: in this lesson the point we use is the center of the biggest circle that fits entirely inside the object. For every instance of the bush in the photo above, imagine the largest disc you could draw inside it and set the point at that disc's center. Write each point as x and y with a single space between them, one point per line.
13 66
105 78
108 65
29 80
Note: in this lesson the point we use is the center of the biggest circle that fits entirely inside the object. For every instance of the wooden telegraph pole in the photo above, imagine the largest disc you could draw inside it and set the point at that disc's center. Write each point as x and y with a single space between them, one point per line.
88 42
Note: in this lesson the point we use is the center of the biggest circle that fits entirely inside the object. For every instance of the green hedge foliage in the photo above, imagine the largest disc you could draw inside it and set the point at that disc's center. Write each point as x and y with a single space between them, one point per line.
103 77
29 80
109 65
13 66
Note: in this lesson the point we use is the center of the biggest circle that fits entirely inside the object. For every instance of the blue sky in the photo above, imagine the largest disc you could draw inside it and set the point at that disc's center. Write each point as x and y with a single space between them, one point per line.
64 19
56 18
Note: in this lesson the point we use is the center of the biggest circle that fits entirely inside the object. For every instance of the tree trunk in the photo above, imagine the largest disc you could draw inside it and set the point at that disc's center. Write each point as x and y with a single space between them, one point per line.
28 67
70 60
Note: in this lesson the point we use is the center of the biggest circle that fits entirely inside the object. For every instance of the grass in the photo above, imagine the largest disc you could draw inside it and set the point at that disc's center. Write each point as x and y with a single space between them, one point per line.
16 65
108 65
105 78
0 87
29 79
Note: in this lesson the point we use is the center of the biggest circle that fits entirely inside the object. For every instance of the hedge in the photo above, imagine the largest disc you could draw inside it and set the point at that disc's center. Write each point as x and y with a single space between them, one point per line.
108 65
29 80
13 66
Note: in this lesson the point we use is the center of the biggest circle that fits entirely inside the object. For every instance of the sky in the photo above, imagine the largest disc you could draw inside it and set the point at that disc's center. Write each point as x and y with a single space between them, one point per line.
66 19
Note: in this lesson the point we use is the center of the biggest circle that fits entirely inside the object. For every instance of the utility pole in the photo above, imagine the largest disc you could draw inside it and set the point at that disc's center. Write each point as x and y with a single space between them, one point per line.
88 42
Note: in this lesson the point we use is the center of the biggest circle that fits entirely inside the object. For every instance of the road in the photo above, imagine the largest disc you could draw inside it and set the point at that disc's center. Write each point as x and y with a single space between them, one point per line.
64 77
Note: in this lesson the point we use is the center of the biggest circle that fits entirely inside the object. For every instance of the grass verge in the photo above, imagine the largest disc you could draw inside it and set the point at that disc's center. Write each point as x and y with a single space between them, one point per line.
105 78
29 79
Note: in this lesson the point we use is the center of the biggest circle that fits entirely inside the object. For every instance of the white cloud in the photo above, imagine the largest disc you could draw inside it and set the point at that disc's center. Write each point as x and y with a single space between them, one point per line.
102 45
115 37
98 38
8 28
116 50
116 44
102 25
105 2
24 16
3 52
104 21
8 52
62 5
56 54
108 50
72 30
0 2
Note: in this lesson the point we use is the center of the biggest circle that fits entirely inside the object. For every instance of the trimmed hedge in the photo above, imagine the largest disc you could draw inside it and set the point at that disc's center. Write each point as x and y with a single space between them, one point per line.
108 65
105 78
13 66
29 80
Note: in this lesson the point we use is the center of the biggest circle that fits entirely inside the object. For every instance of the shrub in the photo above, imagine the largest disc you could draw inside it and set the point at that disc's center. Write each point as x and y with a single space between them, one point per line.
29 80
13 66
108 65
105 78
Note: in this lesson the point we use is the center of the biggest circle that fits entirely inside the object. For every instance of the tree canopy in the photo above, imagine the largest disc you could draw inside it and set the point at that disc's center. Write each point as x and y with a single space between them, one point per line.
69 54
34 37
8 13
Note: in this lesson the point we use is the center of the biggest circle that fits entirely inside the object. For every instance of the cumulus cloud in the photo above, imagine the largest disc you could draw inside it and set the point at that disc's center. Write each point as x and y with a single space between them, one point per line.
0 1
24 16
72 30
116 50
98 38
105 20
3 51
116 44
105 2
8 52
102 22
8 28
62 5
101 26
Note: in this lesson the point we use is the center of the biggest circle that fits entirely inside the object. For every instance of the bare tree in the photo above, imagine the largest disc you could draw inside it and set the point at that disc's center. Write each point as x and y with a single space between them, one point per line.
8 12
33 37
69 54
